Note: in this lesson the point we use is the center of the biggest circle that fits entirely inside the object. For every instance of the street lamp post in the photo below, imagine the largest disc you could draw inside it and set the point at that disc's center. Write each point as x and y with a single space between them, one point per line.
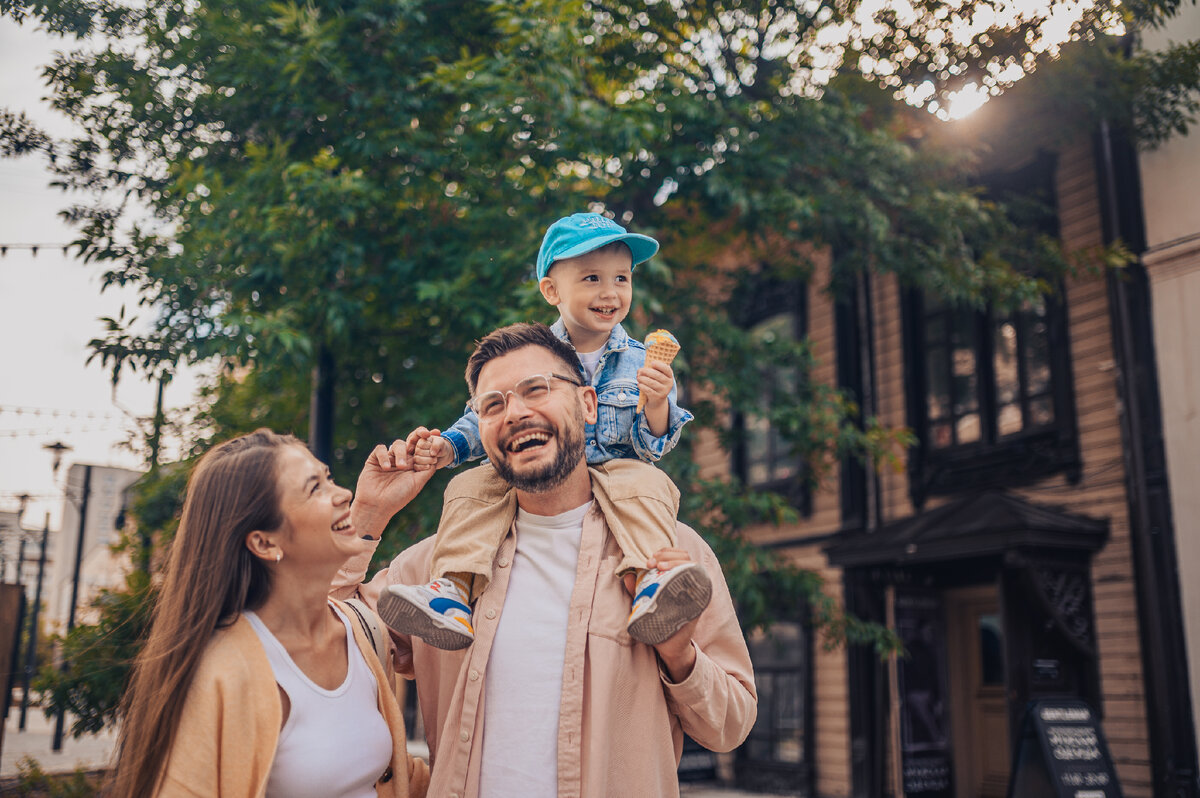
60 717
57 450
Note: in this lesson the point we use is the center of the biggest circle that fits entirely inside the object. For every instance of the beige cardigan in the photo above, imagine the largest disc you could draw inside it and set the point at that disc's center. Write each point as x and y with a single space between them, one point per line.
231 720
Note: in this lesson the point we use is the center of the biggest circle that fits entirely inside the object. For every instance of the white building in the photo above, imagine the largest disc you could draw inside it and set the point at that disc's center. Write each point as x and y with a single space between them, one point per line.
99 567
1170 175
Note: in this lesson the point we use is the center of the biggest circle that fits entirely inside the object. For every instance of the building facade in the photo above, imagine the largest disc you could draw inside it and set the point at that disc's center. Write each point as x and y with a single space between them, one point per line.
1020 553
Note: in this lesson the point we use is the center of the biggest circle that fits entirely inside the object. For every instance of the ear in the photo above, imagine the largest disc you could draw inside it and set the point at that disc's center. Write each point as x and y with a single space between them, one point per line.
591 404
262 545
549 290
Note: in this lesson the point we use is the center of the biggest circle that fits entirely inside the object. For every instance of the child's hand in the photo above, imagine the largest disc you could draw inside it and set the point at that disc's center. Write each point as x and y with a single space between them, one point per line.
427 449
654 381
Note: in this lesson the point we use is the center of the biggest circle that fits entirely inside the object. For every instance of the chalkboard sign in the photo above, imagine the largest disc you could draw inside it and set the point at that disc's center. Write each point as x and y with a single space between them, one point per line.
1061 753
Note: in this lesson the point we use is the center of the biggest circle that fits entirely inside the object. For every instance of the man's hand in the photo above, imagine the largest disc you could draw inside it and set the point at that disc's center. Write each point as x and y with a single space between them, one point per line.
427 449
677 653
387 483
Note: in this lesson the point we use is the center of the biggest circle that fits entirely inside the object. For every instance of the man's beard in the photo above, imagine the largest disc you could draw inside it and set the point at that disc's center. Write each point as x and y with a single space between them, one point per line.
554 473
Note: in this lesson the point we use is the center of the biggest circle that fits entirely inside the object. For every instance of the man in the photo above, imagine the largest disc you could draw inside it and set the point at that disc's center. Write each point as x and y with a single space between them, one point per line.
554 698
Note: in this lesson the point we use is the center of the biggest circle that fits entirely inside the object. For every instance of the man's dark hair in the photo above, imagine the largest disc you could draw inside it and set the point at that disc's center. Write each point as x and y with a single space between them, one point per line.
518 336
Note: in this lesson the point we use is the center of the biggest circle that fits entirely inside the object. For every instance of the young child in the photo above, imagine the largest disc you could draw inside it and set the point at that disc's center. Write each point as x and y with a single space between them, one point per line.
585 269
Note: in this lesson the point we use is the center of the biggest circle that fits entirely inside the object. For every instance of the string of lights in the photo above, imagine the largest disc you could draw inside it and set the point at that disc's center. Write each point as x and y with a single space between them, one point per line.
34 433
33 249
55 412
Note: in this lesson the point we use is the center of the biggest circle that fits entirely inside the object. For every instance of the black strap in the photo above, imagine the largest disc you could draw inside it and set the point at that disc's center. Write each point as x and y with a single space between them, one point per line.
366 627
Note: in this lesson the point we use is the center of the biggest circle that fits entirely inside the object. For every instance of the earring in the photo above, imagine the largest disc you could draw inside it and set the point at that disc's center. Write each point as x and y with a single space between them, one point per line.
278 556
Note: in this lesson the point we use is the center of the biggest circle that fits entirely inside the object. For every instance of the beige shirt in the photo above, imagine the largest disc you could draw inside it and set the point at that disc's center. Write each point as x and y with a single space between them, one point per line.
621 720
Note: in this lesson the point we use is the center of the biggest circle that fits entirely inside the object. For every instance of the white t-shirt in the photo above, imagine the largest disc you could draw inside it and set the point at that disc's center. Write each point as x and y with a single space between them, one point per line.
590 361
525 668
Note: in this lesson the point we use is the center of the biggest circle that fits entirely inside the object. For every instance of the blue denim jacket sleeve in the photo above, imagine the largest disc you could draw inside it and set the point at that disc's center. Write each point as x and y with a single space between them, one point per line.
651 448
620 432
464 435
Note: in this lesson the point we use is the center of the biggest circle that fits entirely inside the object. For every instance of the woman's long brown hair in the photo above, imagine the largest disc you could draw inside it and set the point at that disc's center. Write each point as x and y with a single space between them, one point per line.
210 577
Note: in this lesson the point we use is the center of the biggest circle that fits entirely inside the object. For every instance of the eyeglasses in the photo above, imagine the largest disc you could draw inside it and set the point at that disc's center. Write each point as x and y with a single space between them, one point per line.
533 391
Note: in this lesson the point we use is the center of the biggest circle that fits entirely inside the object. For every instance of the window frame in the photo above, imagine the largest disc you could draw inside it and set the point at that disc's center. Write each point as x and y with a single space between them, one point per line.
993 460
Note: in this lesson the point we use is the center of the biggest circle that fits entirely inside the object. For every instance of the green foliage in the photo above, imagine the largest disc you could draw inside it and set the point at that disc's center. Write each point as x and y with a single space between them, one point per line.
33 782
99 656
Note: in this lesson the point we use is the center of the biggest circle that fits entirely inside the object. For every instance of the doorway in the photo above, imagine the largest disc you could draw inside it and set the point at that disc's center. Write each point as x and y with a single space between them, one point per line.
979 710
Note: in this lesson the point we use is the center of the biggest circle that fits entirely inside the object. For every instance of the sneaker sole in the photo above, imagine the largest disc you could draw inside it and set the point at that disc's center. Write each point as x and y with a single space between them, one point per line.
675 605
401 616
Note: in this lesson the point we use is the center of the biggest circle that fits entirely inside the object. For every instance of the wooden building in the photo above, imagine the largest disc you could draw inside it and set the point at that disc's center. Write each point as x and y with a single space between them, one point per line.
1025 551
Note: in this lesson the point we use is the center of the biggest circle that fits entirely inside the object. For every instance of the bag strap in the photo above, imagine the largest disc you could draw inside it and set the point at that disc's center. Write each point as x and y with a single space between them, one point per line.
372 627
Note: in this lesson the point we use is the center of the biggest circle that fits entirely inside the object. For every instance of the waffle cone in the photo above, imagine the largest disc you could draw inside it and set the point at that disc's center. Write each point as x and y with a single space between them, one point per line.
661 347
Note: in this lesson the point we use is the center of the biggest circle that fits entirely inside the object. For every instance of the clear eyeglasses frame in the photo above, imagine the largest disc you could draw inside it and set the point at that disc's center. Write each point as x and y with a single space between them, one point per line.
533 391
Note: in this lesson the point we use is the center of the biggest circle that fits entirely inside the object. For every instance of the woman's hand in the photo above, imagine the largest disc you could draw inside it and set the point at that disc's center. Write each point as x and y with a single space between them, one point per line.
385 486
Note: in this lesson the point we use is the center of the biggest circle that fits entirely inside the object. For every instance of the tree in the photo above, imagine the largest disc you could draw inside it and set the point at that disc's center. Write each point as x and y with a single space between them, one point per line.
362 185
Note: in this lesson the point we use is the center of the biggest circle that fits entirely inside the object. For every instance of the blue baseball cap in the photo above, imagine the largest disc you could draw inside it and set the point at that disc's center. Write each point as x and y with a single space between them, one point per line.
580 233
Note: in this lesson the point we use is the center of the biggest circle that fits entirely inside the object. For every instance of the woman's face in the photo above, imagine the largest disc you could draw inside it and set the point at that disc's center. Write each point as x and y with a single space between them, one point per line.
316 512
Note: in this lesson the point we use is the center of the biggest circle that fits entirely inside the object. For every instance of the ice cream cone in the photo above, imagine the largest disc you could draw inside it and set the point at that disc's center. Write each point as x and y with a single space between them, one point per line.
661 347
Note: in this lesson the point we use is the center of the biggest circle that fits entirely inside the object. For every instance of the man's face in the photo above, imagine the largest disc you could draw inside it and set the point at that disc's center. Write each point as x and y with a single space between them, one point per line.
535 449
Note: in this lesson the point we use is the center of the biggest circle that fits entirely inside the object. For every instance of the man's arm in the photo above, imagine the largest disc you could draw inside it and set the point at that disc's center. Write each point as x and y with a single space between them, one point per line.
707 675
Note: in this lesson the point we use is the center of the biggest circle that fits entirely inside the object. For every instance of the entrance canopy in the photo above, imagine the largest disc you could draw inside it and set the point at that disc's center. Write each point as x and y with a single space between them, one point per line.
987 523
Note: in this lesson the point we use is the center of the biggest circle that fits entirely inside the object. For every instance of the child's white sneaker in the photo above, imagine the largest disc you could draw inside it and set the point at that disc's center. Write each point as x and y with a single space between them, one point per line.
437 612
665 601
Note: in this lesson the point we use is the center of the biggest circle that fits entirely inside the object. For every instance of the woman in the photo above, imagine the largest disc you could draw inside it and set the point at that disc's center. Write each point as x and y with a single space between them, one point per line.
252 682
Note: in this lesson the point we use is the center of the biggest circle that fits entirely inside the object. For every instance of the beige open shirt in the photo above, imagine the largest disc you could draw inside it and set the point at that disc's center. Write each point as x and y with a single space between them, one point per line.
622 720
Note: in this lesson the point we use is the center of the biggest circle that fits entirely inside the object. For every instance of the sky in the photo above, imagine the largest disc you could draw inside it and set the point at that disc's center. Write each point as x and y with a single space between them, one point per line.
49 309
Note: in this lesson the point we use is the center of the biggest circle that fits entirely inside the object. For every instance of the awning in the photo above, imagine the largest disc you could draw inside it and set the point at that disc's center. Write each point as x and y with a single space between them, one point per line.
981 525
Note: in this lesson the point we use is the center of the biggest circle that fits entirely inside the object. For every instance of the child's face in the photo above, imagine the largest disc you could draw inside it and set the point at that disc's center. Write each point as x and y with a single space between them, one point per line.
592 293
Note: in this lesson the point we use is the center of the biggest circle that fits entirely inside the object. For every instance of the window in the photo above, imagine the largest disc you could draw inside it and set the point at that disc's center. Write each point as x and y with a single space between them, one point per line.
778 752
986 377
767 456
762 457
989 393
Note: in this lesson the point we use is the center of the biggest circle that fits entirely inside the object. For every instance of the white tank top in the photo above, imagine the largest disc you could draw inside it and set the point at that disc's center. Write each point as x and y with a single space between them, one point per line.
335 743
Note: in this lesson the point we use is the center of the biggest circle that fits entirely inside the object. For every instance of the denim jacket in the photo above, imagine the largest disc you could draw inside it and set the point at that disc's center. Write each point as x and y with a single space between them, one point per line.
618 432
